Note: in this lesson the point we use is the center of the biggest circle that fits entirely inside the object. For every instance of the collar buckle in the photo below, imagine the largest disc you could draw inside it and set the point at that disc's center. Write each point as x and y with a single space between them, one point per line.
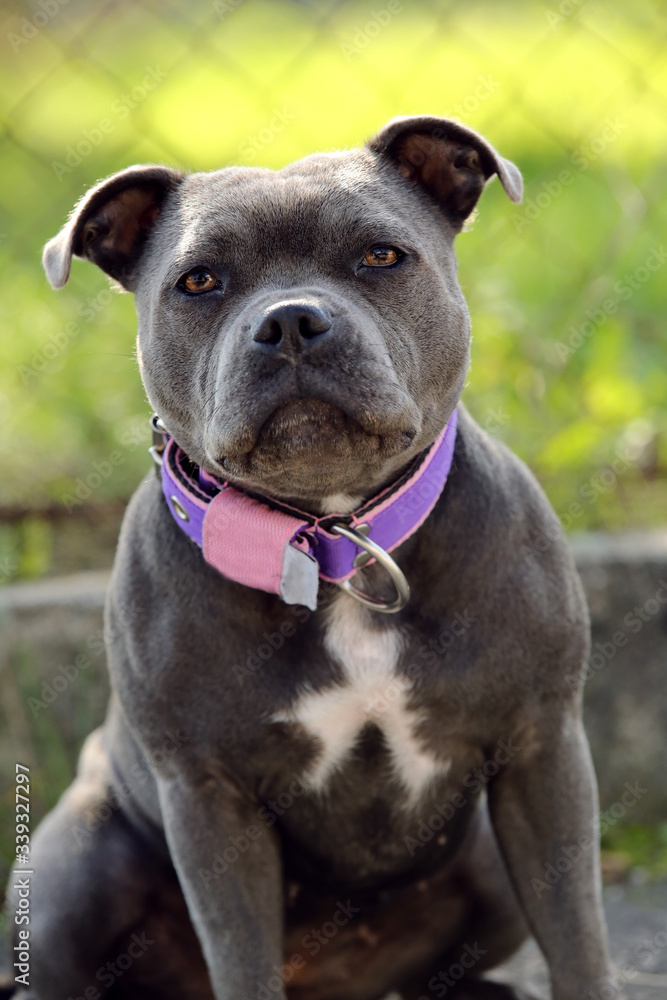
156 450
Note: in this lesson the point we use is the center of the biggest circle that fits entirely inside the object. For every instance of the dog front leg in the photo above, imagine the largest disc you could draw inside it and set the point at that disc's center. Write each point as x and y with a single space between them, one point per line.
544 810
229 867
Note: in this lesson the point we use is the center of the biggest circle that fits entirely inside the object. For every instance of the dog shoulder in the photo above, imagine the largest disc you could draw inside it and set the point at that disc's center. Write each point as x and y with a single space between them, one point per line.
506 499
520 542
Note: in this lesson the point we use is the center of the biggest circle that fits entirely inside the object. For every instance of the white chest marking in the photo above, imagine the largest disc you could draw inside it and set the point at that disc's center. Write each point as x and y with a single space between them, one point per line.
340 503
372 691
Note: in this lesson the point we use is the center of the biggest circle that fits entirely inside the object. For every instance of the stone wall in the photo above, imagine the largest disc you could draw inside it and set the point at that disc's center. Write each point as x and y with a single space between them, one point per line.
625 578
53 684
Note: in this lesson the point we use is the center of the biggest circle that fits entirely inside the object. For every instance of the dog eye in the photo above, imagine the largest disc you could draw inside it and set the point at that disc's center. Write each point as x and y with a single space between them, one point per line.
381 256
198 280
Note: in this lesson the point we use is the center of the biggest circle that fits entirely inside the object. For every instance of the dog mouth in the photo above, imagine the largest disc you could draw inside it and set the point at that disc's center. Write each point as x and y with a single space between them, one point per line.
309 447
305 425
308 428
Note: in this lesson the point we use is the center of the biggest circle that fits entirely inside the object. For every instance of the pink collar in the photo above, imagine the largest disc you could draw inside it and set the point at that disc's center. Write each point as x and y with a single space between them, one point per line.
263 543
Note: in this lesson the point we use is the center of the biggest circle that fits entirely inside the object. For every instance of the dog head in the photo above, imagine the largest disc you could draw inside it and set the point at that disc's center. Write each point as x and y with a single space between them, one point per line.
301 332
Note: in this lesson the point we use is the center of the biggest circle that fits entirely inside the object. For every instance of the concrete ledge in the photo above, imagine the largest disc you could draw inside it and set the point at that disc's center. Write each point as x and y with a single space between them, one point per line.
82 589
625 704
46 625
632 546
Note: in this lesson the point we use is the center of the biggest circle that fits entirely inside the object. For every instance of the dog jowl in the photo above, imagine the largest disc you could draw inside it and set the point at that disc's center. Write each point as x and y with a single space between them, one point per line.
326 509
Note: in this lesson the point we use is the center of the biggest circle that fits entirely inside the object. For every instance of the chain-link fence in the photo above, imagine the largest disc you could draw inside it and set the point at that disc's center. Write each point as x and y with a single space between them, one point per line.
566 291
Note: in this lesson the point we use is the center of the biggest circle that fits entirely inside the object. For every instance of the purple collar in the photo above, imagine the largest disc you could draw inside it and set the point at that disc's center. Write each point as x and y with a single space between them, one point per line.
265 544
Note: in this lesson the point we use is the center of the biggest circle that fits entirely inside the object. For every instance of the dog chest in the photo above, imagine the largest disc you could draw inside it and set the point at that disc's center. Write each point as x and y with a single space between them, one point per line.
371 691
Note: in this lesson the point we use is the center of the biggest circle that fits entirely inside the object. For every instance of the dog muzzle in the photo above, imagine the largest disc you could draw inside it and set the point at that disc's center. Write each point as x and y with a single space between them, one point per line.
263 543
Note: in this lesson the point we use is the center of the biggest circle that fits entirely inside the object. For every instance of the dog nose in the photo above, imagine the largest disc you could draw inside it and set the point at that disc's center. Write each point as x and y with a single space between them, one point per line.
293 324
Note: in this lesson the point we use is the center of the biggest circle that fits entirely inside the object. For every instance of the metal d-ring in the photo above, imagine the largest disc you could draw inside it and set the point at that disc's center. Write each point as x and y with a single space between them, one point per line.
384 559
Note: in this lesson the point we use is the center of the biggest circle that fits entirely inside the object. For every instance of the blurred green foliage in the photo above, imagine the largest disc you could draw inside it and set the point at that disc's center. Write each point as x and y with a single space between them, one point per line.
567 292
637 846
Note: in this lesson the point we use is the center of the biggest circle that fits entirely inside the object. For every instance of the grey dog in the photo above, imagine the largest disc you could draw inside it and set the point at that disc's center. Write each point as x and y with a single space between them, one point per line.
387 802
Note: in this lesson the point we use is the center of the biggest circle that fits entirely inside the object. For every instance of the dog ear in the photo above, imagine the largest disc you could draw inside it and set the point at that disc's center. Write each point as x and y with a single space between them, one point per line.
451 162
111 223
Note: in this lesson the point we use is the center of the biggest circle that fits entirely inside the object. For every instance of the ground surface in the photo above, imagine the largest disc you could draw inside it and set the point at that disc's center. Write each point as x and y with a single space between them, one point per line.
637 916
